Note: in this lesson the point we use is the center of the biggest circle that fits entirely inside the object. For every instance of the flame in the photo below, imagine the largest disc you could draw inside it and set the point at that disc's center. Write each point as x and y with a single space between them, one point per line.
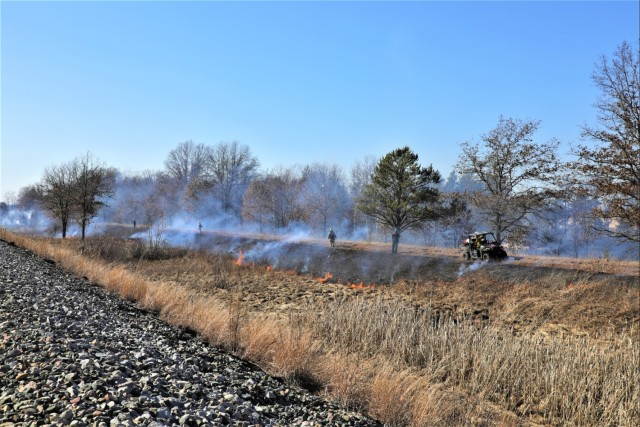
326 277
240 258
359 285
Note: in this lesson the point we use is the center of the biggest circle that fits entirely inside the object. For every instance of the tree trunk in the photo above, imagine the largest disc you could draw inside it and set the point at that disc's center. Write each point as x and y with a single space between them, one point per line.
395 239
498 225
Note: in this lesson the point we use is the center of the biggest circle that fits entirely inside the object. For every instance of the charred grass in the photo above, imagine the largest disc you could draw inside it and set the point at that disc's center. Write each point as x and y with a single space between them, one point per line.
504 345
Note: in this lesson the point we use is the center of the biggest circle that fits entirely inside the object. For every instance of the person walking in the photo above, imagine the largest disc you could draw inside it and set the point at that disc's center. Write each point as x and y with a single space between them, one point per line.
332 237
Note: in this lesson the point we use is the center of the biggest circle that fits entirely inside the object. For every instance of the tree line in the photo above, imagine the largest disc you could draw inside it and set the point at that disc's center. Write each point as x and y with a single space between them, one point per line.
507 182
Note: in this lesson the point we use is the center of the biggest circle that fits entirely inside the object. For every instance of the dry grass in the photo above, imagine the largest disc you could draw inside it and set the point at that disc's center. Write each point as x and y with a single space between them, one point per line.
556 381
402 362
347 378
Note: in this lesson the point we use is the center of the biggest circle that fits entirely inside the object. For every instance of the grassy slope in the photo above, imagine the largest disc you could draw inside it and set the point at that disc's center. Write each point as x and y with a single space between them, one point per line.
507 344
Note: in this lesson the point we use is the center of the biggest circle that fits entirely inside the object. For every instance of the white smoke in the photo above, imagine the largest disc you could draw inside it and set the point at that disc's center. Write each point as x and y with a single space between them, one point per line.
464 268
31 220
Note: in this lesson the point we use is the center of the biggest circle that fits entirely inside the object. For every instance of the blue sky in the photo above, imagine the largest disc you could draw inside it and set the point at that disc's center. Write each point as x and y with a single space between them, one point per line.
298 82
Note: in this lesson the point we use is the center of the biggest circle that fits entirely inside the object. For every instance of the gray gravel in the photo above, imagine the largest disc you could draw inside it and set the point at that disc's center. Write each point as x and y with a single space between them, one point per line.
72 354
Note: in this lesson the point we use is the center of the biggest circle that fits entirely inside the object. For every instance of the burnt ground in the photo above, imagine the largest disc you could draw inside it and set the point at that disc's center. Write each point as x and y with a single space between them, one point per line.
278 277
347 262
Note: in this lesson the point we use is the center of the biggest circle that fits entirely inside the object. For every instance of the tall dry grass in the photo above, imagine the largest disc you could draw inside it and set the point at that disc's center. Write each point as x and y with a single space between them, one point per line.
403 365
558 381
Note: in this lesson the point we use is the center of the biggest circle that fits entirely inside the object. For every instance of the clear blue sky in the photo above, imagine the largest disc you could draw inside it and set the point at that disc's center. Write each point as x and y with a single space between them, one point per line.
297 82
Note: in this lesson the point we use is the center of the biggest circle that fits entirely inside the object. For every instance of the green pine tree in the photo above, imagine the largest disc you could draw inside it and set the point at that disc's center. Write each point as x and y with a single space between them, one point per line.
400 195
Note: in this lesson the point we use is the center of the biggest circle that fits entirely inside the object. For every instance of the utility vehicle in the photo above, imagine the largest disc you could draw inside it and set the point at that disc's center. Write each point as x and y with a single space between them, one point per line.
482 246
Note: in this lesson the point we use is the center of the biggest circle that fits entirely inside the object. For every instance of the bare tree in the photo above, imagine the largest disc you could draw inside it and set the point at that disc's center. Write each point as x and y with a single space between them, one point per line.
256 203
581 225
186 162
29 197
75 190
56 192
325 193
517 175
167 197
228 171
91 183
610 171
361 173
275 198
179 182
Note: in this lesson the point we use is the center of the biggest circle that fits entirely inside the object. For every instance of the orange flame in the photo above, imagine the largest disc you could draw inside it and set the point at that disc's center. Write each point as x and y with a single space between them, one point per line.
326 277
240 258
359 286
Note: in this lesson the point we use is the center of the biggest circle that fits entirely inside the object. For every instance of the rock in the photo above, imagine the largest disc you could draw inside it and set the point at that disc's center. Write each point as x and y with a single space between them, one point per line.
67 415
163 413
188 420
77 355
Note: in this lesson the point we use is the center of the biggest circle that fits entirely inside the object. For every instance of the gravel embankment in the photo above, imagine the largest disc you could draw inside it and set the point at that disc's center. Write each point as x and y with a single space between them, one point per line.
72 354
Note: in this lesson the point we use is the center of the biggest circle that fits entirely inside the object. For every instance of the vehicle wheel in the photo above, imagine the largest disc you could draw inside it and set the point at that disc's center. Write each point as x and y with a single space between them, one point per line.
465 256
486 257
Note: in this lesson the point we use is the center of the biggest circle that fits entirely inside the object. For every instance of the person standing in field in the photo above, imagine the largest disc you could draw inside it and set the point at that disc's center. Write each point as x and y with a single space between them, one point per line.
395 239
199 227
332 237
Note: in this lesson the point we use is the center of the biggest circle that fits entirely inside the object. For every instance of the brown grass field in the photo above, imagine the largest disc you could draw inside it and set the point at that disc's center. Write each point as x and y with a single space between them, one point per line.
418 338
